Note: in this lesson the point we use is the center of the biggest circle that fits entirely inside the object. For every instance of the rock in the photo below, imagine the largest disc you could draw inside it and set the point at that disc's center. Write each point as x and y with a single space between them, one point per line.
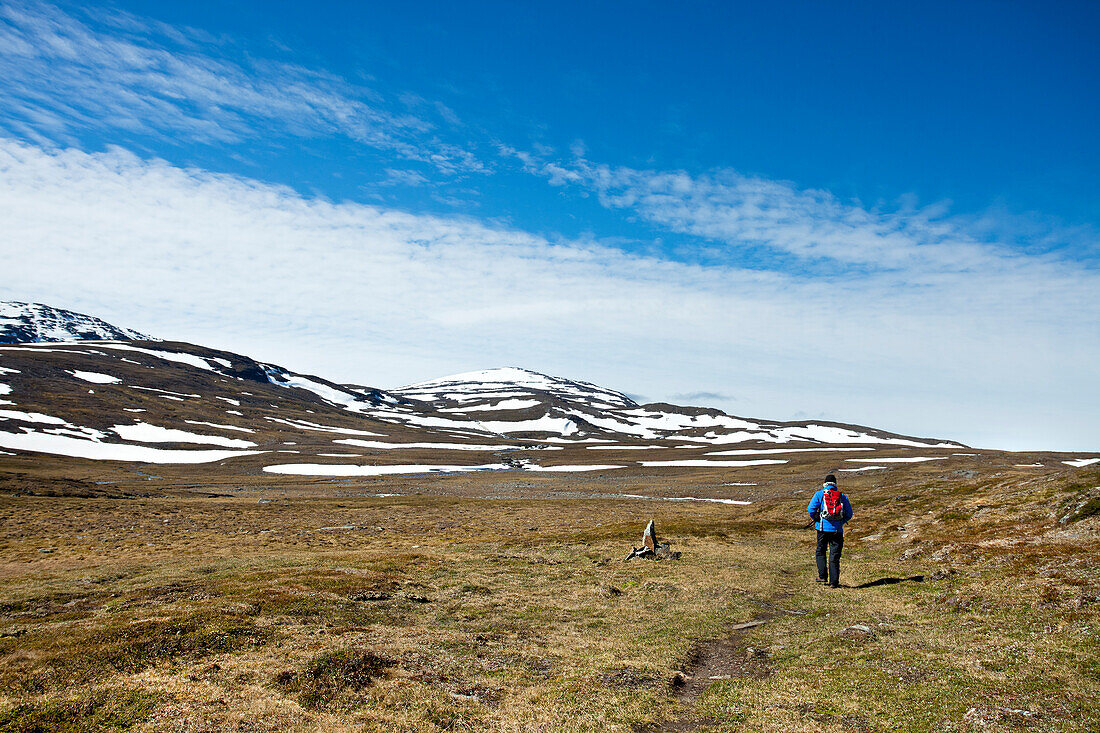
649 537
664 552
651 548
859 632
369 596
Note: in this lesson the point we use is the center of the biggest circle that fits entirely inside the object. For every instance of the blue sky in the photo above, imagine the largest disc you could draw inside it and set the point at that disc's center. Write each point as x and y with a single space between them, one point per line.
863 212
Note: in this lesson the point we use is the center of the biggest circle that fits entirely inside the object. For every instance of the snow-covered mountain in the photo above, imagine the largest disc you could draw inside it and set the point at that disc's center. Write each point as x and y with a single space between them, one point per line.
34 323
514 401
97 393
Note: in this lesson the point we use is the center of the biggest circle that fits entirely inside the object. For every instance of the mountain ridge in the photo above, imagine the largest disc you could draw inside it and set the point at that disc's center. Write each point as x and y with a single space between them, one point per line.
110 392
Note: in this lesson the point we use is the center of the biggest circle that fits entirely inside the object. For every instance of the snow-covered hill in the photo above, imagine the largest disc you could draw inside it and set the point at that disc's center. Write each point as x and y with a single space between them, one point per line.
87 396
34 322
514 401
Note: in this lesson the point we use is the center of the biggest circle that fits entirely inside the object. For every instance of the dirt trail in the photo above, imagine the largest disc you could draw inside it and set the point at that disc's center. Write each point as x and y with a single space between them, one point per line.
709 662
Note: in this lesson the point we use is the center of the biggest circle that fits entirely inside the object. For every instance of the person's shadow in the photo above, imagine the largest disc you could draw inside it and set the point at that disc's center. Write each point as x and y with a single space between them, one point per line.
891 581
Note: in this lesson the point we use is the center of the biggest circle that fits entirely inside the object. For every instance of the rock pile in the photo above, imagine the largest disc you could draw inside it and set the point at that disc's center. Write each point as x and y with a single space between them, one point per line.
651 548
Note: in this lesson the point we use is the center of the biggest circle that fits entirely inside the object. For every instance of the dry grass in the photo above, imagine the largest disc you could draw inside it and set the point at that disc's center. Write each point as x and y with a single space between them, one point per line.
450 613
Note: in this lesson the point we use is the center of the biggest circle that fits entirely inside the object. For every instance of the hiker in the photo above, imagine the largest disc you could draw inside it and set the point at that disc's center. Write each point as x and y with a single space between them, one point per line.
829 510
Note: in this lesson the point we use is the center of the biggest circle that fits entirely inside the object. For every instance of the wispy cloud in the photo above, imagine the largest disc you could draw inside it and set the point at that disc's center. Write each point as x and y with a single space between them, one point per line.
60 75
372 295
739 213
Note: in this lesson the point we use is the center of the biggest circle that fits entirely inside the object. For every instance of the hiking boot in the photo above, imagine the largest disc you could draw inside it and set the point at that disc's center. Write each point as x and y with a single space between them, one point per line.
821 580
834 585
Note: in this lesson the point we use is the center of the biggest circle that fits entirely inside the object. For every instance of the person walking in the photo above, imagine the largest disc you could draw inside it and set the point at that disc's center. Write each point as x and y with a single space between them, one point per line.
829 510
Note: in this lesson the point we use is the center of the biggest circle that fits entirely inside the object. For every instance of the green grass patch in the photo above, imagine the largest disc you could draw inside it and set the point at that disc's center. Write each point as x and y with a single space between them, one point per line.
104 710
329 678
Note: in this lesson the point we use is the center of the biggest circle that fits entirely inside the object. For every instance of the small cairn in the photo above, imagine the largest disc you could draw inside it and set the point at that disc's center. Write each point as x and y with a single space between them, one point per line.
651 549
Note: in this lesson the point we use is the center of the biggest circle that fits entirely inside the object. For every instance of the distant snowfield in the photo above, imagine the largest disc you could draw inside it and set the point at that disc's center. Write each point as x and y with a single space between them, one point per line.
738 502
568 469
305 425
220 426
630 447
545 424
441 446
1081 462
145 433
764 451
865 468
716 464
347 400
178 357
63 445
812 433
575 441
170 393
335 469
95 377
915 459
502 405
37 417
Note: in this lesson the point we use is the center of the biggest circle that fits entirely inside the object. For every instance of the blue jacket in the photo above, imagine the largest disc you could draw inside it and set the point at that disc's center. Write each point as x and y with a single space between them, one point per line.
824 525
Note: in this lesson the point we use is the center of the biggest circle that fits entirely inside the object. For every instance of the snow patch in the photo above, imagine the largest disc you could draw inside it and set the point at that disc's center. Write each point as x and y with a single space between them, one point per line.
305 425
219 426
568 469
916 459
81 448
502 405
763 451
335 469
145 433
174 356
443 446
703 463
36 417
684 498
95 377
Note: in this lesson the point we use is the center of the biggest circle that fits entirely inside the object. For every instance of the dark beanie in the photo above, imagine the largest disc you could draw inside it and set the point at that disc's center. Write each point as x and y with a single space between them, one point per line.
830 479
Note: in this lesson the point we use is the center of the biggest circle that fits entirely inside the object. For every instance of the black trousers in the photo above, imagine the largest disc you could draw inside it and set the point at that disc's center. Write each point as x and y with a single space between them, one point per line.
834 541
